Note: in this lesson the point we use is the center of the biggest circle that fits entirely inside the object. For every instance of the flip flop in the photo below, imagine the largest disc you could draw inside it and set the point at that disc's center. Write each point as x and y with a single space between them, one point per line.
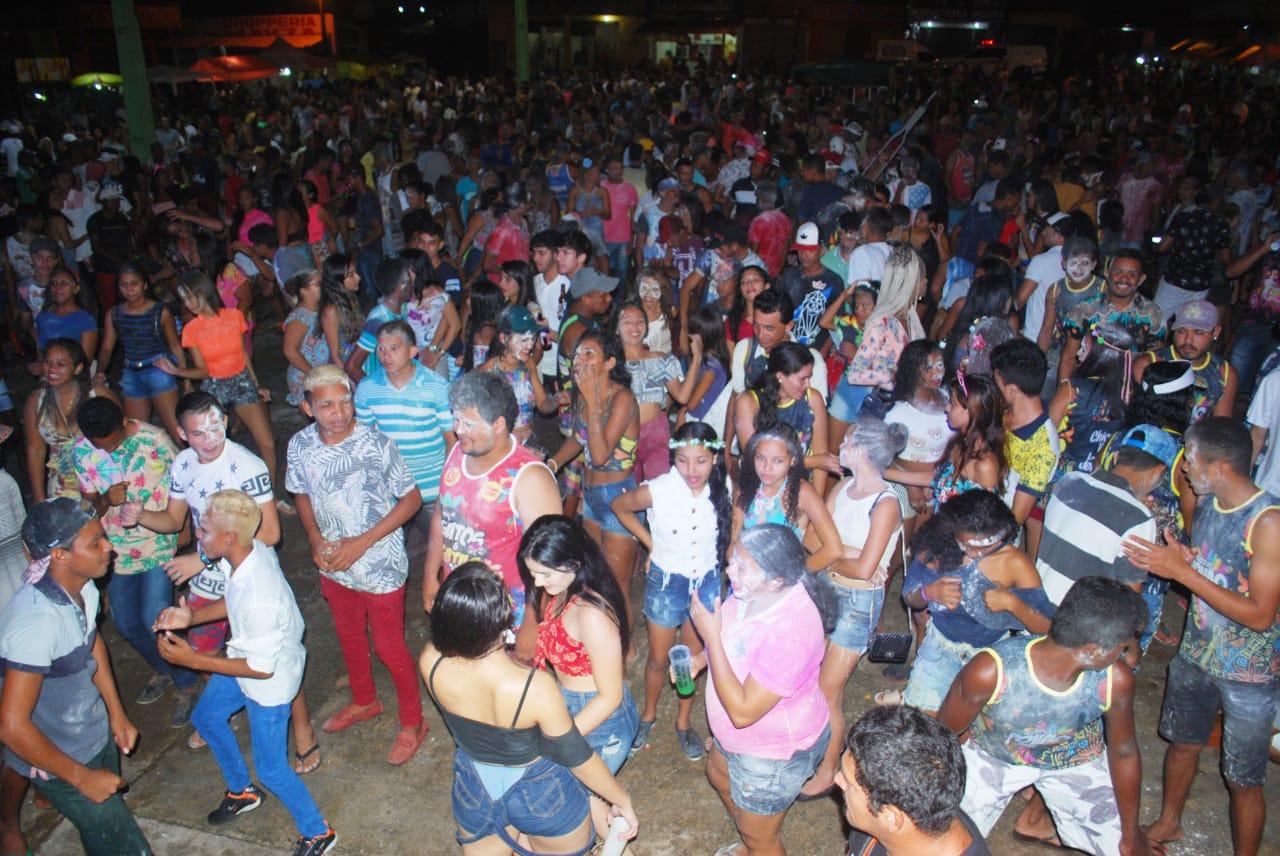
889 698
302 760
1047 841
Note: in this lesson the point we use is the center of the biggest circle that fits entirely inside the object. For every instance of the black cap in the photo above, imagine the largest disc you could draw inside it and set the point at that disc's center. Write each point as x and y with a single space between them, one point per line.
728 233
53 523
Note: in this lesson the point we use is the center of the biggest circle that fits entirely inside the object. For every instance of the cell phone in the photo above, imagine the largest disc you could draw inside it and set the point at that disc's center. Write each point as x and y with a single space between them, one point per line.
544 339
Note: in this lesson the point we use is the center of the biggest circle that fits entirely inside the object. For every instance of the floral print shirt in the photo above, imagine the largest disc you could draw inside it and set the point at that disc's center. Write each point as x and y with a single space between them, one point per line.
877 358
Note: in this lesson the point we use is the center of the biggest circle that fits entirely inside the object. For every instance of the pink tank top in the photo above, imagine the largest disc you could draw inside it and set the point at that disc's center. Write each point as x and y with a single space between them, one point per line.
315 227
478 513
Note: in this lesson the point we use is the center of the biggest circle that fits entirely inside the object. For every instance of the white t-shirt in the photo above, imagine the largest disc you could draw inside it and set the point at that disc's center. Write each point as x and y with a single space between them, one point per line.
548 295
1264 412
266 627
1045 269
194 482
10 147
867 262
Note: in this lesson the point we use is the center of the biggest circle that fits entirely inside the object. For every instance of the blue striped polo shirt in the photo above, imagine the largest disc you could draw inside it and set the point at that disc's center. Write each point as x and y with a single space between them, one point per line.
415 418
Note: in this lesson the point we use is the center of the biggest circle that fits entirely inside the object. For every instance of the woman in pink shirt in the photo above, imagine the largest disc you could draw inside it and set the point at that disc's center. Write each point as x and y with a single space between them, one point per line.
764 648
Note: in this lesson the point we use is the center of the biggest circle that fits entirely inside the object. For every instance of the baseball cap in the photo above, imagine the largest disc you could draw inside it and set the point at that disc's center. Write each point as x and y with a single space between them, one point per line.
43 245
1196 315
1153 441
854 130
517 319
1056 217
729 233
807 237
668 184
52 524
589 281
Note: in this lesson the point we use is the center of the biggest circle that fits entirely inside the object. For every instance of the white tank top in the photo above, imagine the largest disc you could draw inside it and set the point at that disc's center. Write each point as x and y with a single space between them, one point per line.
853 522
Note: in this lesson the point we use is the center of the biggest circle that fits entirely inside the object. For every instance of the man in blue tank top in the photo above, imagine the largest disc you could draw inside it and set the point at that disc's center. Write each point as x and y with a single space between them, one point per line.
1229 659
1035 708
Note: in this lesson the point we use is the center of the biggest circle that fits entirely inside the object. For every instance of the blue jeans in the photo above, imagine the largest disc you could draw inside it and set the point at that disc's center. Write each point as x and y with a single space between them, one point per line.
846 401
546 800
938 661
767 786
136 601
668 597
619 259
146 382
597 504
1153 592
859 613
269 737
366 263
1253 343
611 739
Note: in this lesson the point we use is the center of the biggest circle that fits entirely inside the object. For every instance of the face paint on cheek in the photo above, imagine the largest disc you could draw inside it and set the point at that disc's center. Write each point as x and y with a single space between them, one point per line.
1079 268
649 291
212 427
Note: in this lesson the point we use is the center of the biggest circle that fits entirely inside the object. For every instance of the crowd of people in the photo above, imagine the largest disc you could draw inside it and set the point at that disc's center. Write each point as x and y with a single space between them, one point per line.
691 366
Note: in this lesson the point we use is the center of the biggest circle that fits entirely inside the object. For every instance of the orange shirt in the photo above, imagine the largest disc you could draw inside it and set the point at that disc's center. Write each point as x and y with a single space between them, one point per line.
219 340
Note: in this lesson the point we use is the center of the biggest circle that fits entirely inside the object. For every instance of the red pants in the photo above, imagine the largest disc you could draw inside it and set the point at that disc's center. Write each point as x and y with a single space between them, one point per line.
108 295
355 613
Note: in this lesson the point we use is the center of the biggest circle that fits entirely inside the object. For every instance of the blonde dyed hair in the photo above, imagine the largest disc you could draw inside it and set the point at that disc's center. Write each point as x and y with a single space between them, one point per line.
237 512
326 375
903 271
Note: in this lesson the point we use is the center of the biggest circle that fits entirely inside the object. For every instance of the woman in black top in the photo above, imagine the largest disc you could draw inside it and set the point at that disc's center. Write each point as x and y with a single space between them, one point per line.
517 746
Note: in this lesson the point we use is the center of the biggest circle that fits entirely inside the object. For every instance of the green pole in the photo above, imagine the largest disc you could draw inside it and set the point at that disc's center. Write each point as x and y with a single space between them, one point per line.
522 41
136 88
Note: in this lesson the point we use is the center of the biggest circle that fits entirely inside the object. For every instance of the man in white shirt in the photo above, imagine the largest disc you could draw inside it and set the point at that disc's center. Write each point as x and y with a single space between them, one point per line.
1264 426
866 264
551 288
771 321
261 671
1043 271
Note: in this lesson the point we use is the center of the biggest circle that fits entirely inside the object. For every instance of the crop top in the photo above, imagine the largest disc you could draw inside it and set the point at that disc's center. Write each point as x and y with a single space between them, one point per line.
568 656
649 377
511 747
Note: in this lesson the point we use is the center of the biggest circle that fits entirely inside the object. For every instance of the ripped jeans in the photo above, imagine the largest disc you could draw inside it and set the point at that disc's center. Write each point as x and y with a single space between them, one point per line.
611 739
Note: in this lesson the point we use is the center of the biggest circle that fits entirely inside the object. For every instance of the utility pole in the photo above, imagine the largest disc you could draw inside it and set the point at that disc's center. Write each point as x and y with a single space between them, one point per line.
522 41
136 87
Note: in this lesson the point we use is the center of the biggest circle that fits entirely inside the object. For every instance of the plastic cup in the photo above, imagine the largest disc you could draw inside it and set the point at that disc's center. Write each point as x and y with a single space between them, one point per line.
682 665
613 843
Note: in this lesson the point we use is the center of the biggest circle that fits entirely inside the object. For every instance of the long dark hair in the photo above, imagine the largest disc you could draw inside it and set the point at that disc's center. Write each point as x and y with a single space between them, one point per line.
786 359
749 481
285 194
701 433
708 323
522 273
1170 411
486 304
1109 363
49 406
610 346
985 432
739 308
562 543
911 368
990 296
779 554
332 293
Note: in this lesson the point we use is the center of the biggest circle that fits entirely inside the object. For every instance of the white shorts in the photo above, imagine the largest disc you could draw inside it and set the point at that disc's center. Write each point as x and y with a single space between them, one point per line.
1081 799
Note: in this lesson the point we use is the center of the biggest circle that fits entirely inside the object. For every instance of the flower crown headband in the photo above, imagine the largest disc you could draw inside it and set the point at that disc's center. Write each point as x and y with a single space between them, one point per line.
713 445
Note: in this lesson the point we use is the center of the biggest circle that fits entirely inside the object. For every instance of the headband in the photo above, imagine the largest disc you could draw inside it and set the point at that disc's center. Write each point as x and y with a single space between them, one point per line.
713 445
987 541
1178 384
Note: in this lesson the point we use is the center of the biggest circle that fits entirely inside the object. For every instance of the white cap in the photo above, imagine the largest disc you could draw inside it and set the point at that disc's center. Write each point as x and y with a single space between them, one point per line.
808 237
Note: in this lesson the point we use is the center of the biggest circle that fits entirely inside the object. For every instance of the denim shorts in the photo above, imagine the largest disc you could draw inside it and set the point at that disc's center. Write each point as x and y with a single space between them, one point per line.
1192 699
668 597
146 382
611 739
846 400
767 786
938 661
234 391
859 611
546 801
596 505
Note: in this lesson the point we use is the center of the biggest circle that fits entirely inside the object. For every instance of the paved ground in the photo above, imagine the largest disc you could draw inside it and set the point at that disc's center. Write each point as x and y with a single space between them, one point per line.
380 809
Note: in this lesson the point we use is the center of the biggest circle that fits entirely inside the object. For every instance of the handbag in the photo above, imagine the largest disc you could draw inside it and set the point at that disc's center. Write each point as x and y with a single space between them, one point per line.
877 404
892 647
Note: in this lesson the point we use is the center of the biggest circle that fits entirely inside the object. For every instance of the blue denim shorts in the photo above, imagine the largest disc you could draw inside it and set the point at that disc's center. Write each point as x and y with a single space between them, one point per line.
668 597
846 400
611 739
938 661
767 786
1192 699
546 801
858 615
146 382
596 504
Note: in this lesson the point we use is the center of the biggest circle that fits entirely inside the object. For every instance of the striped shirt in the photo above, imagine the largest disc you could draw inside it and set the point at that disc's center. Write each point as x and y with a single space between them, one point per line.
414 417
1088 517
